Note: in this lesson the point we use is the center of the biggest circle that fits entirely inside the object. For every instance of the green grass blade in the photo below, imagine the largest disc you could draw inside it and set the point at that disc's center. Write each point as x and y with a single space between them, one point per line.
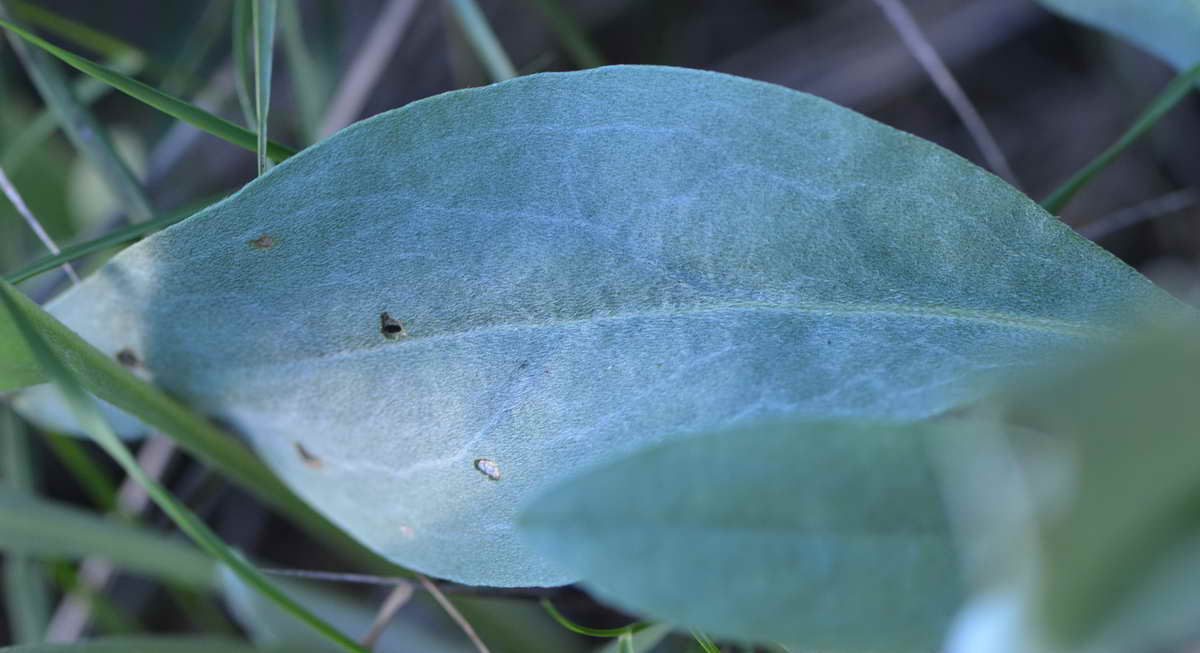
86 91
111 239
89 416
264 13
107 379
168 104
584 630
570 34
705 642
84 131
26 597
309 83
1159 107
482 39
243 61
91 477
142 644
47 529
77 33
643 640
179 77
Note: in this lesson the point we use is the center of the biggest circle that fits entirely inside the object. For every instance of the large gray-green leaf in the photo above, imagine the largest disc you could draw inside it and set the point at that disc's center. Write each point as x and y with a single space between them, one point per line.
438 312
827 535
1168 28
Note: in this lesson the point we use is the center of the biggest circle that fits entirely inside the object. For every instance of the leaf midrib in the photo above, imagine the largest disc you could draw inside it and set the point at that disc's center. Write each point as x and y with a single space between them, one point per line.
989 318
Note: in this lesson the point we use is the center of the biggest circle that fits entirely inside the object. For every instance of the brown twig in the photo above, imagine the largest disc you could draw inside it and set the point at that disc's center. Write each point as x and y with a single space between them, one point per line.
394 601
368 64
1148 210
925 54
453 612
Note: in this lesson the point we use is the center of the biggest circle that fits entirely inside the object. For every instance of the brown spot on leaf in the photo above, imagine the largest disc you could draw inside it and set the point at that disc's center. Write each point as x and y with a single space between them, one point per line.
127 358
264 241
309 459
390 327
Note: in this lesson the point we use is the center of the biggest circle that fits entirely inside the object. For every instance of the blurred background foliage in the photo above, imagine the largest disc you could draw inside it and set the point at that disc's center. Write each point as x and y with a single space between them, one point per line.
1053 93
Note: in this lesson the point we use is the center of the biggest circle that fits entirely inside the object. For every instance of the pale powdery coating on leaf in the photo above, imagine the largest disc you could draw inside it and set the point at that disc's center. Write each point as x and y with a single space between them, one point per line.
585 263
1168 28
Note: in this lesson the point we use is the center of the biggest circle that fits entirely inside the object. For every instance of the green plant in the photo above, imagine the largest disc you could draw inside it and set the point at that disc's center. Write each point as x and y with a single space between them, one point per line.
729 356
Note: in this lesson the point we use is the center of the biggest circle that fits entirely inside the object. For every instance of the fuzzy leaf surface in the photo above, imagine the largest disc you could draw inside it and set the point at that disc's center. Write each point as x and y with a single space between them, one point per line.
437 313
798 532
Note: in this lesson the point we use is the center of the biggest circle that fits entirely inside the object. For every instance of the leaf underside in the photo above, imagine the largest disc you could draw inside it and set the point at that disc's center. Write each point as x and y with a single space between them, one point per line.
1168 28
798 532
573 266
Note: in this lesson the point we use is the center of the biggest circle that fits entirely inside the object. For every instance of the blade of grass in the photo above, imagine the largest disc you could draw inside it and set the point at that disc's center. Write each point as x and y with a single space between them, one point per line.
368 65
243 61
111 239
14 197
89 416
74 611
75 32
265 12
643 640
82 129
109 380
179 78
704 641
48 529
26 597
309 82
92 478
86 90
1159 107
570 34
482 39
110 618
584 630
164 102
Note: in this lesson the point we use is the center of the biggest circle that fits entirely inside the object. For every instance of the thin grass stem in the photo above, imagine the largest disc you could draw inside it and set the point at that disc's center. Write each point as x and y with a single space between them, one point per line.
1159 107
482 39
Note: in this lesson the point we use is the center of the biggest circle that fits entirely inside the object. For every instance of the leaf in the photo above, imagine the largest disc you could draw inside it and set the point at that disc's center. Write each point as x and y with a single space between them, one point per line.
434 315
269 626
142 644
43 528
109 380
802 532
92 420
1168 28
1120 541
